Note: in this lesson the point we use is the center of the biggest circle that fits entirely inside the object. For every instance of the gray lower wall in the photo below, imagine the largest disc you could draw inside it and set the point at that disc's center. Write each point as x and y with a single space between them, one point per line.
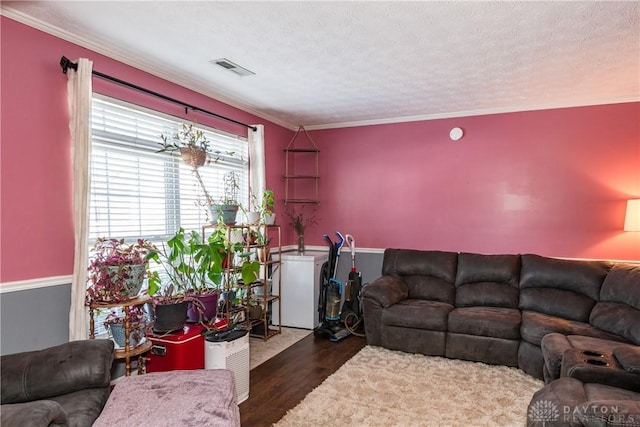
34 319
369 264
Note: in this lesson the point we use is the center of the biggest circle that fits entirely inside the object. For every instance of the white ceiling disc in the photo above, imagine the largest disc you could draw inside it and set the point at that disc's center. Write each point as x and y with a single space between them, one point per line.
456 134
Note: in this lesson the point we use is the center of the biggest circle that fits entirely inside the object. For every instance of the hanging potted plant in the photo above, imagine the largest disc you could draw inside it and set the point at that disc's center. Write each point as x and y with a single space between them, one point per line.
114 323
117 270
191 143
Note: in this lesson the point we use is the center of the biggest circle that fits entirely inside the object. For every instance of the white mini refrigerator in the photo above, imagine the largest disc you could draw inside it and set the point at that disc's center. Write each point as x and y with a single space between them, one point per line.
232 355
300 289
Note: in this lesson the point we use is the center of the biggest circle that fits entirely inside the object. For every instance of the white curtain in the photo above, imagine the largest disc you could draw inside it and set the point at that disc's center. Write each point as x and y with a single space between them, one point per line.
79 97
257 161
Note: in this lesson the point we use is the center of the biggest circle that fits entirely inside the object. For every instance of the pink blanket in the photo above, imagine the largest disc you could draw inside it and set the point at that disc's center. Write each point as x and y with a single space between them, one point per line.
174 398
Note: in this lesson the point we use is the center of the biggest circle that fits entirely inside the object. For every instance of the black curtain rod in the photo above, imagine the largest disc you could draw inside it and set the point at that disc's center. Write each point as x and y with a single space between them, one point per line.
66 63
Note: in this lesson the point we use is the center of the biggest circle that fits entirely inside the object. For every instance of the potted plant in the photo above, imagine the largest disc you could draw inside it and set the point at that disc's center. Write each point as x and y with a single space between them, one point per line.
195 267
227 207
190 142
114 323
117 270
253 216
268 201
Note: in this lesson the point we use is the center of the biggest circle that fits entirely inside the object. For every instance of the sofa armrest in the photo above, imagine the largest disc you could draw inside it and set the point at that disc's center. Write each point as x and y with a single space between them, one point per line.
386 290
55 371
46 413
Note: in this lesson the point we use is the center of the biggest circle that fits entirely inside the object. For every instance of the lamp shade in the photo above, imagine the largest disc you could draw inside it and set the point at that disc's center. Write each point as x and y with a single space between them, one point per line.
632 219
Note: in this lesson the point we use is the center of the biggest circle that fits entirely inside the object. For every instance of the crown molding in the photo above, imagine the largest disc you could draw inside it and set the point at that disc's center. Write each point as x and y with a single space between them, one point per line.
470 113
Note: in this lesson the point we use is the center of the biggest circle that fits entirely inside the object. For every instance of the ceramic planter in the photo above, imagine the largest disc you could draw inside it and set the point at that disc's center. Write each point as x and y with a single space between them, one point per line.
228 213
270 219
117 333
132 277
253 218
209 307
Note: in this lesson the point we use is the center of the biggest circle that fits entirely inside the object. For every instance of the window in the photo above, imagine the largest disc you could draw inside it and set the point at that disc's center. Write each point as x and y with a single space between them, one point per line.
137 192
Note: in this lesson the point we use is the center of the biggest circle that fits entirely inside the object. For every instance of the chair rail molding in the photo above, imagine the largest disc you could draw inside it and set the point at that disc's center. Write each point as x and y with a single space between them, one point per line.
43 282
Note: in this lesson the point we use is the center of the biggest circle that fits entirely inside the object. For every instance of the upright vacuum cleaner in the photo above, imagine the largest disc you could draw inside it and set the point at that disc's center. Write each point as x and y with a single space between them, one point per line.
351 314
330 299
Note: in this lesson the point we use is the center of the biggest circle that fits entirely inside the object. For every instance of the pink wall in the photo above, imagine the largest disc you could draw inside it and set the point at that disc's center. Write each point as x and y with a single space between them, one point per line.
549 182
36 229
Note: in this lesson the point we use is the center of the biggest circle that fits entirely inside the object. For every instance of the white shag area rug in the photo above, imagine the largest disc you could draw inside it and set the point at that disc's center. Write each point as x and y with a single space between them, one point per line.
260 351
380 387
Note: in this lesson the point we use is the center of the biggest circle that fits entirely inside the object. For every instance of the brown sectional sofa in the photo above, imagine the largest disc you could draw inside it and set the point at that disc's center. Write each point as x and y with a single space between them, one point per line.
523 311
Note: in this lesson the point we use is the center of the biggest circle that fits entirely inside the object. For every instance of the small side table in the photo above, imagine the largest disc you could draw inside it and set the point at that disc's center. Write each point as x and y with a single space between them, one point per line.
127 352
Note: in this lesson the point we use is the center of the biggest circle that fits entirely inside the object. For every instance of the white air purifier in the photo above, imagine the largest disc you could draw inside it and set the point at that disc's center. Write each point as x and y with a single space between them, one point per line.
232 355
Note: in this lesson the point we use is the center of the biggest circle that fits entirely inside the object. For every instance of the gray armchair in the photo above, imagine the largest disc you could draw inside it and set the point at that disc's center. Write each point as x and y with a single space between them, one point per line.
66 385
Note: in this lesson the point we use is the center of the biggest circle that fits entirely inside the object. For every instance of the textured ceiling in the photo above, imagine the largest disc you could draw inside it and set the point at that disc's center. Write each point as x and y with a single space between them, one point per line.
332 64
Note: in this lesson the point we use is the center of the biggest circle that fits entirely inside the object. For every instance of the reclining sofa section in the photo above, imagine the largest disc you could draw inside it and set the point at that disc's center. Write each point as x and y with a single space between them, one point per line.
497 308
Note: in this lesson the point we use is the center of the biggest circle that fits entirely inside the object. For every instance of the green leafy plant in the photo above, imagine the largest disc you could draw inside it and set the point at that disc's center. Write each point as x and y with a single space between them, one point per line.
193 266
268 202
249 271
262 239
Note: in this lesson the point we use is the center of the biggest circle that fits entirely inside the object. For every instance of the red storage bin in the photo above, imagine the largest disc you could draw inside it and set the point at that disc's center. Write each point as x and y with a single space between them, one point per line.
178 350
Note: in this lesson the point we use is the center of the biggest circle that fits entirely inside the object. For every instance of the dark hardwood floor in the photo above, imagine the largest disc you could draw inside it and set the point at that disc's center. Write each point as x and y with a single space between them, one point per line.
281 382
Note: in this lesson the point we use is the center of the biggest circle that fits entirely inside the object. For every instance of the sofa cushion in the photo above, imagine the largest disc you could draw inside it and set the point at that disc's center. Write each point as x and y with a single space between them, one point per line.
618 310
486 321
36 413
629 358
582 277
84 406
68 367
536 325
618 319
556 302
419 314
428 274
562 288
487 280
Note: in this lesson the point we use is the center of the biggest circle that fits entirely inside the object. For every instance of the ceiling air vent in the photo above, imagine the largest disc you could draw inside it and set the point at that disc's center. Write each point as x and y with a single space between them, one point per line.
233 67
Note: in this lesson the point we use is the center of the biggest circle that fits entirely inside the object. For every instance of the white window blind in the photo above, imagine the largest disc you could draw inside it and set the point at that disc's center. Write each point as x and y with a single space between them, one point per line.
137 192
